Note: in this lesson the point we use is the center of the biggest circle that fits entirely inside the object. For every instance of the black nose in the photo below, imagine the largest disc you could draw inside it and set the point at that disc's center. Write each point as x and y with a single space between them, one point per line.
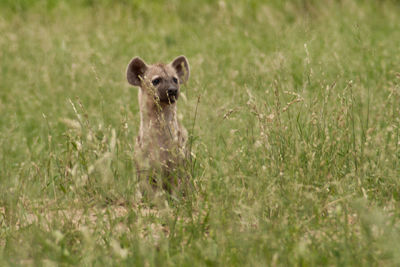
172 92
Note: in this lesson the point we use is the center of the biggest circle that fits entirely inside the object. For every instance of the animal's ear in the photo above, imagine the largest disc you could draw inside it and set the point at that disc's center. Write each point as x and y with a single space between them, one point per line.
181 65
135 71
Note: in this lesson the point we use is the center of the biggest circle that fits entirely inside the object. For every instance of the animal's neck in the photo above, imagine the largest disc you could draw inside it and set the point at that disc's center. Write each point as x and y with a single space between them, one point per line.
155 114
158 115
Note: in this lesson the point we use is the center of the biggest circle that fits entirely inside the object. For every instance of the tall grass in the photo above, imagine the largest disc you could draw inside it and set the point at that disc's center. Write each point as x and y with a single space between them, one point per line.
293 110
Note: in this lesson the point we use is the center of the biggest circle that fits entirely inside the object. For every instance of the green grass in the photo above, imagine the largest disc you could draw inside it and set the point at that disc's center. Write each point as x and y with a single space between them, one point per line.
296 137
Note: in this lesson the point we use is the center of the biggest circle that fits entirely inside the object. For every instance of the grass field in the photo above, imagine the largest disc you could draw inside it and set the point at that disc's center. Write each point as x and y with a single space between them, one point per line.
293 110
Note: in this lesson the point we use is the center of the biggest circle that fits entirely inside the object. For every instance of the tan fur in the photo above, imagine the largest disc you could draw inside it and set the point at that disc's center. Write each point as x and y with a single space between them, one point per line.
160 145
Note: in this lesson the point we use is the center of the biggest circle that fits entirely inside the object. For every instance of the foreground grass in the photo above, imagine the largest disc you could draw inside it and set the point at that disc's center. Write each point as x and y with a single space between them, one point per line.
293 109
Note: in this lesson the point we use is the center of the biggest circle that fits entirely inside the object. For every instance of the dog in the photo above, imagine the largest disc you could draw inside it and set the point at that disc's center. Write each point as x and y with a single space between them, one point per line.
161 143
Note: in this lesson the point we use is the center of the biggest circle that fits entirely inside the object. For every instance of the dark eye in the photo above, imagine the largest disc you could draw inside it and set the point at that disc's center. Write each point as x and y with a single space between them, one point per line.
156 81
175 80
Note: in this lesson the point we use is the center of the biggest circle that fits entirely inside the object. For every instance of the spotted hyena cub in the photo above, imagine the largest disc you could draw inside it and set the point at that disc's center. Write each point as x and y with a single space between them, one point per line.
160 145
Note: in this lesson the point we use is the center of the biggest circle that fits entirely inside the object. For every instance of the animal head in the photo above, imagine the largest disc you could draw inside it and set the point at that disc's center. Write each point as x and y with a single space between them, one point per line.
162 81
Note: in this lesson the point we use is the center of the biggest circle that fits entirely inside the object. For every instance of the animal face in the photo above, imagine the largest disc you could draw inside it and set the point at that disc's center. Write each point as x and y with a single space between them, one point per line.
162 81
165 81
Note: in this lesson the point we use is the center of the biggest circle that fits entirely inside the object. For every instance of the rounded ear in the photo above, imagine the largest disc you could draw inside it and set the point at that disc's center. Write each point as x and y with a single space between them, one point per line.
135 71
181 65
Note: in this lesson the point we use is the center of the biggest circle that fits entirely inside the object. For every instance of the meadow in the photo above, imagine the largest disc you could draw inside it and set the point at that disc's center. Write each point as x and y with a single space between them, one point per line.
293 111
